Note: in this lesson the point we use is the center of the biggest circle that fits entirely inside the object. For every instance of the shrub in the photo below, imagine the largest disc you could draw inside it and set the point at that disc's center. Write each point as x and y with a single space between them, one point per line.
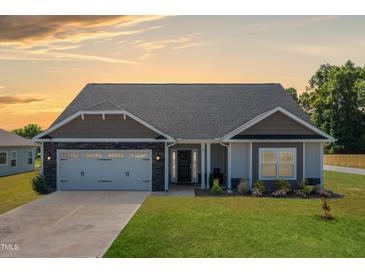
302 184
308 189
40 185
256 192
316 188
259 185
301 194
282 185
279 193
326 208
324 193
216 189
242 187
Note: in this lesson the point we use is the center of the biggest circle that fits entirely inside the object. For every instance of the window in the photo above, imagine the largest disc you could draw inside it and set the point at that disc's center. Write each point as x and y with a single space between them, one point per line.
13 158
173 166
286 164
138 155
195 165
268 164
115 155
277 163
30 157
70 155
93 155
3 158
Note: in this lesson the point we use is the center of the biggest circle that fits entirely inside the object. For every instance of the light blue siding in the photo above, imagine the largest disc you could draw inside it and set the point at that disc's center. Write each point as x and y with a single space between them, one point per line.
22 164
312 160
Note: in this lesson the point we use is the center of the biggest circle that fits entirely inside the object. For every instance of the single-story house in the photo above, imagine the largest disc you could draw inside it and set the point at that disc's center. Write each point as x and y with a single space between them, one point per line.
149 136
17 154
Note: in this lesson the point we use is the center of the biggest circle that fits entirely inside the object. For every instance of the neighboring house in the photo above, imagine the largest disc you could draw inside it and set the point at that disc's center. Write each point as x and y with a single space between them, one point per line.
17 154
149 136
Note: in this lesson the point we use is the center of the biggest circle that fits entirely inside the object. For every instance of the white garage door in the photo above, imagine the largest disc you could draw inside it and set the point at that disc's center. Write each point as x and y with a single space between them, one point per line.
104 170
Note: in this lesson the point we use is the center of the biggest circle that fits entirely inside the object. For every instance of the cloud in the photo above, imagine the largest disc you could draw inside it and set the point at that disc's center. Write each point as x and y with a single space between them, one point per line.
287 23
51 38
21 30
190 45
311 49
54 56
9 99
177 43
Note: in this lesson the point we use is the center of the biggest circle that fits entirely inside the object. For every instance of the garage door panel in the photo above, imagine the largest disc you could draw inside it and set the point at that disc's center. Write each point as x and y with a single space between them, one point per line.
104 170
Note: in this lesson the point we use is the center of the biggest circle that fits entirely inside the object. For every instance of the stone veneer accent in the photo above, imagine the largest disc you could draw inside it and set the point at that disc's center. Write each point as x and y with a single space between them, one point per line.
158 167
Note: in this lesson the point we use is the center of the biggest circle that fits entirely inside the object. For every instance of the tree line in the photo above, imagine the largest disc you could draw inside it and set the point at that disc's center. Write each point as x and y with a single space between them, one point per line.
335 101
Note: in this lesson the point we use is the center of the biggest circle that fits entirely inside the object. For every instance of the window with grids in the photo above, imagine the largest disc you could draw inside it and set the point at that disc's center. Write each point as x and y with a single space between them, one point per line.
13 158
68 155
277 163
30 157
3 158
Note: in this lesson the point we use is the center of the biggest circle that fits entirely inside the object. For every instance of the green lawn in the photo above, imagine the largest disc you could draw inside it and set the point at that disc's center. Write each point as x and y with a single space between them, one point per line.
248 227
16 190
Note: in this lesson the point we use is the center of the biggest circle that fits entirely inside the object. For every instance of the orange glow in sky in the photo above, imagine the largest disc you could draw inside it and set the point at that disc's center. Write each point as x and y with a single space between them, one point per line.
46 60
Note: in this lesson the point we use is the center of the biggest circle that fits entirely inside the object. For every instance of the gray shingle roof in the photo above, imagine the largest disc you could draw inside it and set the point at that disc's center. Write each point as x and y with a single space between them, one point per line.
188 111
8 139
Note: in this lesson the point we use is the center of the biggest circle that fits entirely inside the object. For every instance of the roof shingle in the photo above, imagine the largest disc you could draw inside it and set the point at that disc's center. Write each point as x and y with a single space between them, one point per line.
8 139
188 111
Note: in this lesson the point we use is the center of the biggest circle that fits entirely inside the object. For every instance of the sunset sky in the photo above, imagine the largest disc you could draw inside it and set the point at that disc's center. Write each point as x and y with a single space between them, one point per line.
45 61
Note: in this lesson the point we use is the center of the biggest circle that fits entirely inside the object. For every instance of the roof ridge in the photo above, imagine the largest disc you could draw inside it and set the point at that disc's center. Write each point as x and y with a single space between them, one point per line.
183 83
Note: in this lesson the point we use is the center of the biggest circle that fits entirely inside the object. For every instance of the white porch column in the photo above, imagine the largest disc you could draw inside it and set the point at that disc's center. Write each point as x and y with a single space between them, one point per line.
42 158
229 171
303 161
250 166
202 169
208 164
166 167
321 171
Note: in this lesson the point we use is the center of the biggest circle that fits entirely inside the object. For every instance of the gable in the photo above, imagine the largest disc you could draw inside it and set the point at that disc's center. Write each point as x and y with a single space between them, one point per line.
278 124
93 126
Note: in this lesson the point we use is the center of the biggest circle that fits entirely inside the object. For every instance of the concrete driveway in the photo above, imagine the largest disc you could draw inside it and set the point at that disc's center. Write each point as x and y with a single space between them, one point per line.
358 171
67 224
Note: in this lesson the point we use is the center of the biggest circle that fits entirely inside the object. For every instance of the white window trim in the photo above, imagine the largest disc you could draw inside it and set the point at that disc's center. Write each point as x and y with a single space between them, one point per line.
31 151
6 158
16 158
276 150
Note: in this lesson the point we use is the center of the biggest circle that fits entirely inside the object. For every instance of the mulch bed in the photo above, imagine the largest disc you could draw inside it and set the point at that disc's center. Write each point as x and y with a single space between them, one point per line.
291 195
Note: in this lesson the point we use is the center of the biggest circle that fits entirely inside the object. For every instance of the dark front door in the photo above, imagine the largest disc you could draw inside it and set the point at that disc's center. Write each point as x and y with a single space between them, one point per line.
184 166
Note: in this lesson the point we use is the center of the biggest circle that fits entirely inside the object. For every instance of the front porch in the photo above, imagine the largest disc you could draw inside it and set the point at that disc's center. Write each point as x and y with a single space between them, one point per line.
191 164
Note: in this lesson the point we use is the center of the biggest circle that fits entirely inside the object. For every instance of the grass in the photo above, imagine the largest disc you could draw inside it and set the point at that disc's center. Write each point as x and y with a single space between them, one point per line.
248 227
16 190
38 163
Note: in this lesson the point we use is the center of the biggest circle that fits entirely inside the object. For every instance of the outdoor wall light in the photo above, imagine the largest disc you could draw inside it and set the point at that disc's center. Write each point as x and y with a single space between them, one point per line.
158 157
49 158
